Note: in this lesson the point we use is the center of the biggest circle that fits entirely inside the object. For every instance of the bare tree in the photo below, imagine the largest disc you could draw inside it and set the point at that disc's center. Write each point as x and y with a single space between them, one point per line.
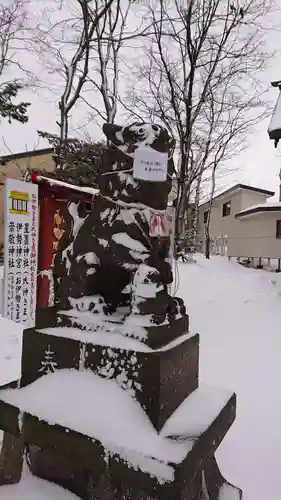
77 70
13 26
14 76
65 48
122 32
105 73
226 124
94 79
94 34
195 54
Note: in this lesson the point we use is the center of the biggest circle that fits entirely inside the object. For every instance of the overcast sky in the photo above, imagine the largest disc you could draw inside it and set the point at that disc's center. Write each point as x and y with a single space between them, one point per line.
258 166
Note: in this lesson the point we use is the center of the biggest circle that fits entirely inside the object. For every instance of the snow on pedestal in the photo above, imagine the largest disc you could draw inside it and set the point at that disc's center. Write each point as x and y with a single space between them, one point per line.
117 420
110 335
104 334
93 324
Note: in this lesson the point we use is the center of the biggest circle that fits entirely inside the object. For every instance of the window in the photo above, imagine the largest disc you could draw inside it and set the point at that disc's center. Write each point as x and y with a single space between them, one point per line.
205 217
226 209
278 229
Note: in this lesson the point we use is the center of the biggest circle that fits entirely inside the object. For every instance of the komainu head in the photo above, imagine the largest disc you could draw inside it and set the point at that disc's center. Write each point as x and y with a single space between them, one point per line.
130 137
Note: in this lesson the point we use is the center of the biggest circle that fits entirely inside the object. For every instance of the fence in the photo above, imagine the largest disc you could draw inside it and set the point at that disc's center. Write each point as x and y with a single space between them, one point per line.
218 246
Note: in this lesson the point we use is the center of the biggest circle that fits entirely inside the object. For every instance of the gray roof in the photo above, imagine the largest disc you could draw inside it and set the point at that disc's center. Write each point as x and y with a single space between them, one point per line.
241 186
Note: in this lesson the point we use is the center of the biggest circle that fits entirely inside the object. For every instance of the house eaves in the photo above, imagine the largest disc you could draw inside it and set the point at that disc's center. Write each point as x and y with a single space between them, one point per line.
25 154
259 209
239 187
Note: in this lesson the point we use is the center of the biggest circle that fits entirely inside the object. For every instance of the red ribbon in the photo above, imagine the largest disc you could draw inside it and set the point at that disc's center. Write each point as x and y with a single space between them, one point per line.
158 225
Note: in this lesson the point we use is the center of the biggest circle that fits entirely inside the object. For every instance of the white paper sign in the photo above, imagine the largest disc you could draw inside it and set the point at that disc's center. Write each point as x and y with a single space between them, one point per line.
150 165
20 251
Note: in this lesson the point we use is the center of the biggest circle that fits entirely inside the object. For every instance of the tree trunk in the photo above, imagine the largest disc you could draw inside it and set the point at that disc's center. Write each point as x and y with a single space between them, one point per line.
181 206
207 227
196 211
207 248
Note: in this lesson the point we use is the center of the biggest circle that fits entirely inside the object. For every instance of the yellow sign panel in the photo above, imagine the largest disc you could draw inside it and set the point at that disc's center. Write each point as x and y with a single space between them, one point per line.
19 203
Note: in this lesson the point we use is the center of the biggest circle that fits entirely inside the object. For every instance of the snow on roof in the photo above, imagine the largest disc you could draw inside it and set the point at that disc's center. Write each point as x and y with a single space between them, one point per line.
274 206
111 416
56 182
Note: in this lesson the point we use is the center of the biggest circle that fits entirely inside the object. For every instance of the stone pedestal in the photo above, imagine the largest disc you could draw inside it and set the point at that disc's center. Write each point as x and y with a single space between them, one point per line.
163 382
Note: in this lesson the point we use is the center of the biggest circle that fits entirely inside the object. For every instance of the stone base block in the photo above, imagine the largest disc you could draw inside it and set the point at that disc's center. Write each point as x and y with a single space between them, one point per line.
11 459
84 459
160 379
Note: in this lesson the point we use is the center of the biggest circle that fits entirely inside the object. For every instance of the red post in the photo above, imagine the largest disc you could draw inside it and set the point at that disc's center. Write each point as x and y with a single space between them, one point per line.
47 208
51 201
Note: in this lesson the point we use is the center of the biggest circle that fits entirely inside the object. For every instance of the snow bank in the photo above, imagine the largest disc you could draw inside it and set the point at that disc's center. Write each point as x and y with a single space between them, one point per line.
237 312
10 350
32 488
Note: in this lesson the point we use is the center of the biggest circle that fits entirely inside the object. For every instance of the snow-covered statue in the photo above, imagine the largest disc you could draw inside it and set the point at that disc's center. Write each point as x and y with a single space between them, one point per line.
145 428
117 259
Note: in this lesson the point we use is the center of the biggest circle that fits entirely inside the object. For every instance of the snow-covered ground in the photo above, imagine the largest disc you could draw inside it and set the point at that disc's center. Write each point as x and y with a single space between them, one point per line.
237 312
32 488
1 288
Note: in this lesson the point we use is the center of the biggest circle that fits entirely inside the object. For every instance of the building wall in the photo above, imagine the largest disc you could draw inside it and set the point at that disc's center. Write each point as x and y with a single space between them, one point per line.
250 198
220 225
256 237
15 168
229 225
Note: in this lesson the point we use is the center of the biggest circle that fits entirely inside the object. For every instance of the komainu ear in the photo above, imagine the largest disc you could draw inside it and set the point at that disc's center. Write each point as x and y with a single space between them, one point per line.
110 130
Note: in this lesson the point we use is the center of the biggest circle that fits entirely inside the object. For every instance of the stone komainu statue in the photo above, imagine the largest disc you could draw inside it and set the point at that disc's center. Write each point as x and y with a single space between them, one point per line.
109 264
107 260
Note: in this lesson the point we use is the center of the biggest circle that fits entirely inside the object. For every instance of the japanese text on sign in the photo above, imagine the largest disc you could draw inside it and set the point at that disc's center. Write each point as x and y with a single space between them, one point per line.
20 251
150 165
